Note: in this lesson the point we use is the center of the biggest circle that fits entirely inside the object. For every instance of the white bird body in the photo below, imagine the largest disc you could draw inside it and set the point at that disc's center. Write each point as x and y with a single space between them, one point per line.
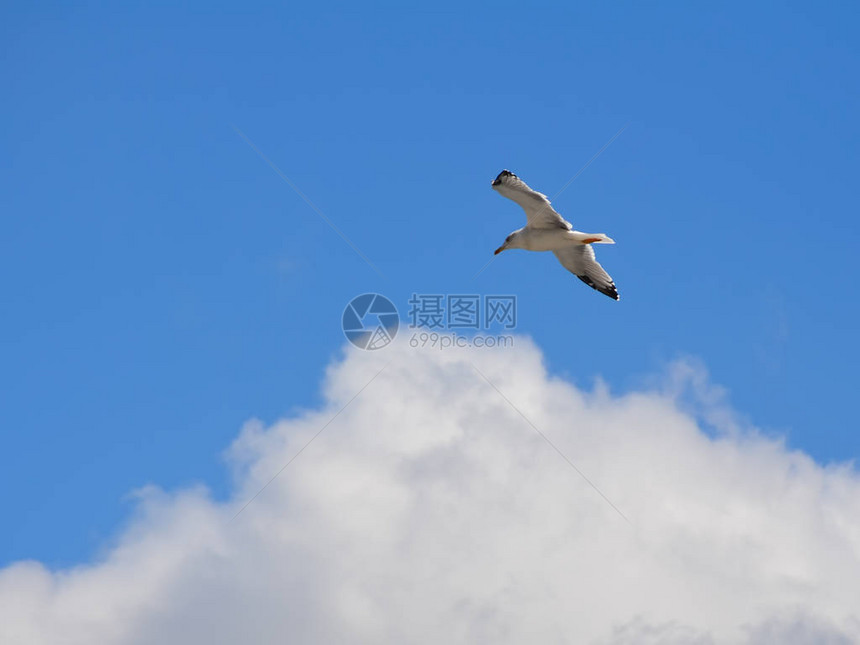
553 239
546 230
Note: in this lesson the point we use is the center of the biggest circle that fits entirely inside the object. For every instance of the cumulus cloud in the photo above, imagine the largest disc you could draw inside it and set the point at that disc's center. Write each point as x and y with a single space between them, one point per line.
429 510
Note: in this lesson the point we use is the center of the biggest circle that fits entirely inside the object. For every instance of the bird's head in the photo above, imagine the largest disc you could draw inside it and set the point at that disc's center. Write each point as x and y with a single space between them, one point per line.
511 242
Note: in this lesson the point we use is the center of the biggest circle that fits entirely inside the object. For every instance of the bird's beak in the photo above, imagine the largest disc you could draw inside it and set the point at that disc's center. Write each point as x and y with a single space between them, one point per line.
500 249
496 182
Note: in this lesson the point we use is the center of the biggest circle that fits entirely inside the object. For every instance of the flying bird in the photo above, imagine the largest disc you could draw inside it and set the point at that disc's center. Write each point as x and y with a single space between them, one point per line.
546 230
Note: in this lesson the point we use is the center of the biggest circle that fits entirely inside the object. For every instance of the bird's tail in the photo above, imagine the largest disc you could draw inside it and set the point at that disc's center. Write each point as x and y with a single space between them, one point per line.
594 238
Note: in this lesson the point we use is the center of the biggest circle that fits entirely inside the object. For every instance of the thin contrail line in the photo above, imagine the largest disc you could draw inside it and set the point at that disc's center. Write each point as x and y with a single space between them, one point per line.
489 262
309 442
308 201
569 182
554 447
590 161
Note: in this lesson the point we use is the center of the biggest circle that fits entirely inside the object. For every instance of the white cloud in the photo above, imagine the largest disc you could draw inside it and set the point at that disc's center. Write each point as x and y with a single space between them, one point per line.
429 511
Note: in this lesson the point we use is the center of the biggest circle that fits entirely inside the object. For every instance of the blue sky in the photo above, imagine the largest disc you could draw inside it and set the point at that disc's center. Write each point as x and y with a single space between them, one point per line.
162 284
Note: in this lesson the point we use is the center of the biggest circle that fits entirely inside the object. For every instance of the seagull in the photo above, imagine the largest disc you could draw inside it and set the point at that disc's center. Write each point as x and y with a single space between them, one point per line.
546 230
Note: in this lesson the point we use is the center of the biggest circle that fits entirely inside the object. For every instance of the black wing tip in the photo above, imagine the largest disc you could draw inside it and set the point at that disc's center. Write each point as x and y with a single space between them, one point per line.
610 290
505 173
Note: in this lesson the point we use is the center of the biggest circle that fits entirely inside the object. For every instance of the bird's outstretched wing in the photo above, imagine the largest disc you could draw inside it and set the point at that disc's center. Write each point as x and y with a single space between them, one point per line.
539 211
580 261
